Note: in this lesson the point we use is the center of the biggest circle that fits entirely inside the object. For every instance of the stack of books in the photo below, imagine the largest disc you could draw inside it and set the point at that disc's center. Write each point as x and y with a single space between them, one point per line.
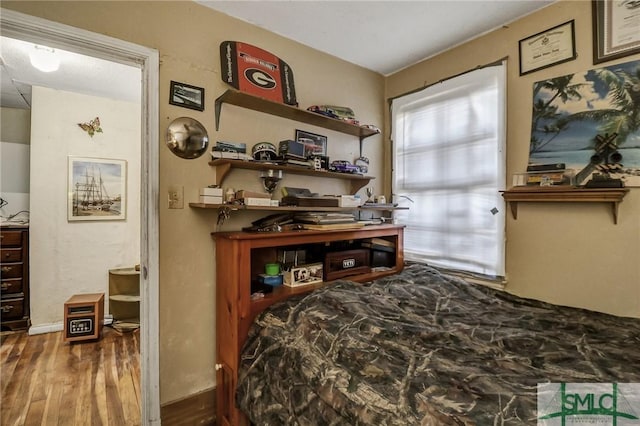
323 220
546 174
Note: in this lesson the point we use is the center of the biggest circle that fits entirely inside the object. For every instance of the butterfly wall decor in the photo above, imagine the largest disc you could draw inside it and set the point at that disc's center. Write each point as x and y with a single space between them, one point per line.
92 126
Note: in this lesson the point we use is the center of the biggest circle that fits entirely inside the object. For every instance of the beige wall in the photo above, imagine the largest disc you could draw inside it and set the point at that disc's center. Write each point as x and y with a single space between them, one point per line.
188 36
569 254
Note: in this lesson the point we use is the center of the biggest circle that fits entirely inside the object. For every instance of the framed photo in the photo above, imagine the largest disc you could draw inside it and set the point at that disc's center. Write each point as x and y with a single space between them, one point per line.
96 189
547 48
313 144
186 96
616 29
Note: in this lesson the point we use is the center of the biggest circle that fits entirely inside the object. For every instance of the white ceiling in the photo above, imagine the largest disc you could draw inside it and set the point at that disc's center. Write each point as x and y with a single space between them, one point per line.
383 36
77 73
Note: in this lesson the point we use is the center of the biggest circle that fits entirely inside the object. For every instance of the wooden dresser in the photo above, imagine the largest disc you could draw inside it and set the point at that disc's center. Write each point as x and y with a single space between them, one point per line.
14 267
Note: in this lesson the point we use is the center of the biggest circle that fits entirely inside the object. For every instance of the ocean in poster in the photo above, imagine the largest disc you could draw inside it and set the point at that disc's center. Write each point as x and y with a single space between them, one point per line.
571 110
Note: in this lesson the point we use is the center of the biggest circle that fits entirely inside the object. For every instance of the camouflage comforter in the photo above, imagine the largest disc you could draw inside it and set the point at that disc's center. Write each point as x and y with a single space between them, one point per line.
423 348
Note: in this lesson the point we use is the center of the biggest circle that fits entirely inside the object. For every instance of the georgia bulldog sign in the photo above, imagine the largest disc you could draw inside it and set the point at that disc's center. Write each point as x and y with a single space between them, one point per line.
256 71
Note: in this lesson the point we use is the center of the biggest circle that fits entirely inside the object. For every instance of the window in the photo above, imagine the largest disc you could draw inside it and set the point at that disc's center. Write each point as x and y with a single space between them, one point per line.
449 159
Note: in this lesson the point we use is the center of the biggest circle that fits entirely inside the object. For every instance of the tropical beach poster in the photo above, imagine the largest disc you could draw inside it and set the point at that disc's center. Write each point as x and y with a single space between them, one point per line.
571 111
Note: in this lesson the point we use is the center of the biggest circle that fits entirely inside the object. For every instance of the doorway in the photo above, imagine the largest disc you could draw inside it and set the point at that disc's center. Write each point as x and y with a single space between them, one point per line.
35 30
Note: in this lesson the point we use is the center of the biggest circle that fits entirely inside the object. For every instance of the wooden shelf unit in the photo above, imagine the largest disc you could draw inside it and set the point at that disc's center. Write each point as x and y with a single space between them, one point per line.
224 166
124 295
245 100
562 194
240 256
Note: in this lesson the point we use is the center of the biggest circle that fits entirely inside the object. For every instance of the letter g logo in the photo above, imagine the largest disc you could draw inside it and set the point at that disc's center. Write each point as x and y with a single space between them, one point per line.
259 78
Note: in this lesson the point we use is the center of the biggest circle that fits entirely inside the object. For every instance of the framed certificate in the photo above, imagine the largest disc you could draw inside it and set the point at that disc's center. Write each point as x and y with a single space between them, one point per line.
547 48
616 29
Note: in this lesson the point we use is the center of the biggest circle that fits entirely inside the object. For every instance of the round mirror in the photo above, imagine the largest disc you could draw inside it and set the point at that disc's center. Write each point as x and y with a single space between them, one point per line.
187 138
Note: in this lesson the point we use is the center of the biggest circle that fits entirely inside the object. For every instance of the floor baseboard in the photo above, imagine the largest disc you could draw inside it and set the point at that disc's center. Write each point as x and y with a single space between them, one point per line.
58 326
198 409
45 328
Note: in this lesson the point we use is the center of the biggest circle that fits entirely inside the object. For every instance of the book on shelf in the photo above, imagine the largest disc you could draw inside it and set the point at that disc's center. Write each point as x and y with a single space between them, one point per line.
297 163
368 205
258 201
553 177
314 201
229 155
546 167
243 193
324 218
331 226
379 244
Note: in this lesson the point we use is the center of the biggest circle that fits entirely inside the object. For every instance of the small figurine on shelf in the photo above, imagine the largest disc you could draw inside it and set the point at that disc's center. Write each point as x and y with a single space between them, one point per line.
369 194
606 160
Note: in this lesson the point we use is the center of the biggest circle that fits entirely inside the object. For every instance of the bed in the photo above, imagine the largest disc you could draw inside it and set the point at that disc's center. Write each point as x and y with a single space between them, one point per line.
422 347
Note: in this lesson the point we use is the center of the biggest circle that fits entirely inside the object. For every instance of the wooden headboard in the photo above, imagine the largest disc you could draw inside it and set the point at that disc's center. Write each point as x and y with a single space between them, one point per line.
239 259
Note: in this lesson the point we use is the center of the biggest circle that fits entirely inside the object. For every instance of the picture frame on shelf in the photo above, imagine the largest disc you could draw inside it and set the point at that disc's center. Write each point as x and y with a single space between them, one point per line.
97 189
186 96
548 48
313 143
616 29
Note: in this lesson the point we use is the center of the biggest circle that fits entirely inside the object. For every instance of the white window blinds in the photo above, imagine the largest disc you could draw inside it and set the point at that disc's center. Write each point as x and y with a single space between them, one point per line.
449 159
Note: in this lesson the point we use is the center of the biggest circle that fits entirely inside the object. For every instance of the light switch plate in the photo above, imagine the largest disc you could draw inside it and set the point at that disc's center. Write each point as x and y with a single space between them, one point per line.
175 197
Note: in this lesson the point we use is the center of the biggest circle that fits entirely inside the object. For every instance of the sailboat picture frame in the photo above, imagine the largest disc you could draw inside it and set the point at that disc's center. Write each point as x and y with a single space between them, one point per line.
96 189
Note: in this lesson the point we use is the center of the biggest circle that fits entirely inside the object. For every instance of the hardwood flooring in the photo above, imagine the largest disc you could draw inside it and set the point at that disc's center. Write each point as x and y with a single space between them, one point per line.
46 381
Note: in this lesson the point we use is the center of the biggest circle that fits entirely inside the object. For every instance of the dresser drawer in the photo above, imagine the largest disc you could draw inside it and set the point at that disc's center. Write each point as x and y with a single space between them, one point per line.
11 270
11 286
11 255
12 308
11 238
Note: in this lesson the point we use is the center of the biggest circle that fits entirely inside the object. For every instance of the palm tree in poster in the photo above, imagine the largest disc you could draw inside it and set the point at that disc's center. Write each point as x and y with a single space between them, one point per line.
545 112
624 92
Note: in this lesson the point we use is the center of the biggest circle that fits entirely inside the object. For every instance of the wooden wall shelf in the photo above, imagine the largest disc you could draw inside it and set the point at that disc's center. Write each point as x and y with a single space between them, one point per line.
266 106
293 208
553 194
224 166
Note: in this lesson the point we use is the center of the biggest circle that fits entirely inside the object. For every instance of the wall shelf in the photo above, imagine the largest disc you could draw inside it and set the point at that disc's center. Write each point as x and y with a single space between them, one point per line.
564 194
294 208
124 298
245 100
224 166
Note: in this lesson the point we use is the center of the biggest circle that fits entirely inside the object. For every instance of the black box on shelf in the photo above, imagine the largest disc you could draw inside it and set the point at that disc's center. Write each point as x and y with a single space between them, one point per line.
344 263
382 259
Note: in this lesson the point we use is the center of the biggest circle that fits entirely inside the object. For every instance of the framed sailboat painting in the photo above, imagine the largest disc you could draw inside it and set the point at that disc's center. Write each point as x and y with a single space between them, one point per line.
96 189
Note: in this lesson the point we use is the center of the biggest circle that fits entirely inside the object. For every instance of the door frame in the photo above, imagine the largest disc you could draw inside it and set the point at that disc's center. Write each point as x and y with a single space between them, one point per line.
37 30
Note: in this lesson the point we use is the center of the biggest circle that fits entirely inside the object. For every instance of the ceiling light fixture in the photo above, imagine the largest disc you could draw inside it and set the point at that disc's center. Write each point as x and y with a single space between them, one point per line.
44 58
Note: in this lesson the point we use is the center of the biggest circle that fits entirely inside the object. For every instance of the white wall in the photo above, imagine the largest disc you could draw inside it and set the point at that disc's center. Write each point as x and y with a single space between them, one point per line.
68 258
14 161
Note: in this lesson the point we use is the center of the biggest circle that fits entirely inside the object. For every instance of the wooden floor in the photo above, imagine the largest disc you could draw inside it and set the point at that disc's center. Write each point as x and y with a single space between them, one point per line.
46 381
